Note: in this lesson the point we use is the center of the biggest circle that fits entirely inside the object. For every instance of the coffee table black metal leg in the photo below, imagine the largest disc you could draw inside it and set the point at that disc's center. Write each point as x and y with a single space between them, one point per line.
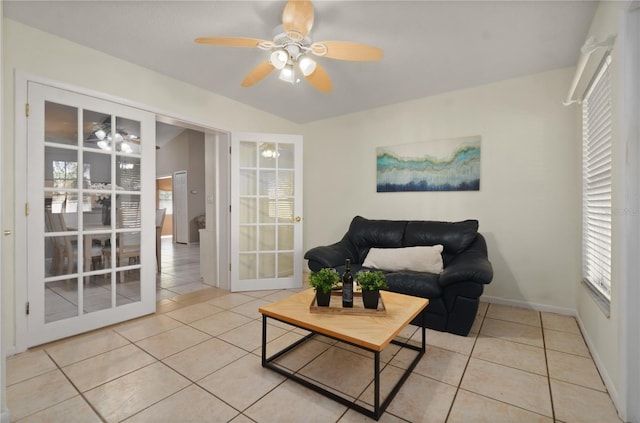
376 383
378 407
424 330
264 340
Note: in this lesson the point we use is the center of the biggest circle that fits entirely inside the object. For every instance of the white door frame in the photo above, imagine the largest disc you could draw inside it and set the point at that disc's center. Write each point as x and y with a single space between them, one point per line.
629 295
20 227
4 412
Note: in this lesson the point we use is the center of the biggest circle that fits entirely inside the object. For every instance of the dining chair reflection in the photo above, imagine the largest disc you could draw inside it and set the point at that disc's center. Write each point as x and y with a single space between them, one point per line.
127 248
64 258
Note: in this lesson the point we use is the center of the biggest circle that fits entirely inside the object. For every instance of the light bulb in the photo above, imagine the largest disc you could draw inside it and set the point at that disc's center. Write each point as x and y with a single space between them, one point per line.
307 65
100 134
287 74
279 59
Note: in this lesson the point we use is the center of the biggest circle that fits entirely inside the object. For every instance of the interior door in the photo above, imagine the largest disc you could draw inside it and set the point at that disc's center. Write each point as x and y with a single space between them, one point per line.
180 207
90 224
266 211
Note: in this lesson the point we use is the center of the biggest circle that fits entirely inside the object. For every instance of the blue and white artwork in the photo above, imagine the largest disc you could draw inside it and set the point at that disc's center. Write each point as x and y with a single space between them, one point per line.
442 165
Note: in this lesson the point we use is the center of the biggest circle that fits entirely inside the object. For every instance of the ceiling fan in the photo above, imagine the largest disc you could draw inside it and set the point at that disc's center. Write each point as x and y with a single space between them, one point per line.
292 49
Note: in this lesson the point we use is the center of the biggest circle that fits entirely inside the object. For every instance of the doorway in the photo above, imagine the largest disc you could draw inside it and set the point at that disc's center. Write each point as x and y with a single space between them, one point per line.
164 200
189 261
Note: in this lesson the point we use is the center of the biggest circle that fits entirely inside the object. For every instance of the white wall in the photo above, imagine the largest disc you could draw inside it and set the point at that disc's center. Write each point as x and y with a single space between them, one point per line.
529 201
173 155
41 54
186 152
604 334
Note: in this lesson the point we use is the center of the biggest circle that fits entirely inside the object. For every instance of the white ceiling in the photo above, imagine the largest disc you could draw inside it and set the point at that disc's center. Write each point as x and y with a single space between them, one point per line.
430 47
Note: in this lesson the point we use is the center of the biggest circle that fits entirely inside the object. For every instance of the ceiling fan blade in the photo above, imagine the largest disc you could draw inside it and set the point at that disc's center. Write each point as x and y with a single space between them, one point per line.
257 74
298 17
346 50
320 80
229 41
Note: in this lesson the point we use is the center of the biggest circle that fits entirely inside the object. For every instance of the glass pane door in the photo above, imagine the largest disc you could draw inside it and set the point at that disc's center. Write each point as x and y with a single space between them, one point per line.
267 230
87 234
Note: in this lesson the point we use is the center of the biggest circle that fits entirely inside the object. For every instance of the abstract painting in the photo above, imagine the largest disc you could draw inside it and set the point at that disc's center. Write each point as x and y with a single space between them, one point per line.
442 165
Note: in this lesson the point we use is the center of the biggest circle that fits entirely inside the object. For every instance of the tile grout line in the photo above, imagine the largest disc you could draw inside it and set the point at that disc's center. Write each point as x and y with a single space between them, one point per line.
546 363
466 366
484 396
81 394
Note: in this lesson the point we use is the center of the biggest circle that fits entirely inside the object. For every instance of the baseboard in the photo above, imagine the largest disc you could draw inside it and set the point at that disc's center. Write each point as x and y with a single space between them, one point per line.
608 383
526 304
9 351
5 417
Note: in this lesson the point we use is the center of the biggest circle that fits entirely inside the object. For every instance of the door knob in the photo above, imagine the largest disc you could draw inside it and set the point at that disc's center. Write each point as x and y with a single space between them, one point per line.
298 218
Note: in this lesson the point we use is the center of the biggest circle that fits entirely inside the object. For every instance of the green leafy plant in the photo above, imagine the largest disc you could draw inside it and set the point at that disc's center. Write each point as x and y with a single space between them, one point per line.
371 280
324 279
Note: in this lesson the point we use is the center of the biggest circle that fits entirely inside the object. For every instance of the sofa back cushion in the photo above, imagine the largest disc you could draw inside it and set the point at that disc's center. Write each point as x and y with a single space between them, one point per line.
454 236
365 233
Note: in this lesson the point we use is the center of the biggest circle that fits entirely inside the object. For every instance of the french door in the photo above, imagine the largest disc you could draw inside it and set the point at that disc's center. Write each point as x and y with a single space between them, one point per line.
266 211
90 220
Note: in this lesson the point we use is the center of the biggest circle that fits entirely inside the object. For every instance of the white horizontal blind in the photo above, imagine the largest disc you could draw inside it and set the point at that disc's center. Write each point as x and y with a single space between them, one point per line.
596 182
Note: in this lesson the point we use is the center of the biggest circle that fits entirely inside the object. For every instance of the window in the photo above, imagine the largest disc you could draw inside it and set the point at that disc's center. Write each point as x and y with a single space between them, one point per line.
596 183
65 175
165 200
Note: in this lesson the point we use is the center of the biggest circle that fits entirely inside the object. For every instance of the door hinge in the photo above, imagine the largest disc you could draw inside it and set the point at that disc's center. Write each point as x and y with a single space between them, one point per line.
229 209
229 267
26 209
26 109
229 149
26 308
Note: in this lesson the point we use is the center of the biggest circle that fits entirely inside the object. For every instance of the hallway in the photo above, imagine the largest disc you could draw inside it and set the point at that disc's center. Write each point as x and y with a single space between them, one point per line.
180 270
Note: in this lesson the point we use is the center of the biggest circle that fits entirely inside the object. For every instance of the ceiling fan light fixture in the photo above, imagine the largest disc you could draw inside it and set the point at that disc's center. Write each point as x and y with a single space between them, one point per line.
287 74
100 134
279 59
104 145
126 148
307 65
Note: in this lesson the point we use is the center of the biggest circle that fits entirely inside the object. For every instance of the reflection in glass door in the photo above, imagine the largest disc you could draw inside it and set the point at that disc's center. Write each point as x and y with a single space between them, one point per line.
87 266
266 197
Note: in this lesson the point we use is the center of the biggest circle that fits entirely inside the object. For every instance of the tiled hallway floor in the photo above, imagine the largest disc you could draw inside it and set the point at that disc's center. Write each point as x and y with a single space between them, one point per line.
198 360
179 271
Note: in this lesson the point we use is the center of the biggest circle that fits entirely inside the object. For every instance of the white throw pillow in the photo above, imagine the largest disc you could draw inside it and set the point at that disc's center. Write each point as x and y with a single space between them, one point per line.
419 259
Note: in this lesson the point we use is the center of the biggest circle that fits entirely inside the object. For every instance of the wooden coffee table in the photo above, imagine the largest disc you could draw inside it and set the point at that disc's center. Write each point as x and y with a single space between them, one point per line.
371 333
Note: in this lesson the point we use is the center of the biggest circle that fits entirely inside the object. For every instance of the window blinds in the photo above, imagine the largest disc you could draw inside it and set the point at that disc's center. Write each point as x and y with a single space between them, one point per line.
596 182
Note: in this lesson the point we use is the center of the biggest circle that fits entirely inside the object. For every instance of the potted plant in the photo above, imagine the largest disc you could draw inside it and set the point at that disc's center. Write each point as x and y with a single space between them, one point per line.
323 280
371 282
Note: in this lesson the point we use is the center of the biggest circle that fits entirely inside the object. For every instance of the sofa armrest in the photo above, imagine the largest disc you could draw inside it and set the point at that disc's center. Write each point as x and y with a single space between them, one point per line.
331 256
472 265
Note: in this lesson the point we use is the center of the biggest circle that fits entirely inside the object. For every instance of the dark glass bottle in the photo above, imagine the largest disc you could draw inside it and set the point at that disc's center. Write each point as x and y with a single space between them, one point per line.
347 285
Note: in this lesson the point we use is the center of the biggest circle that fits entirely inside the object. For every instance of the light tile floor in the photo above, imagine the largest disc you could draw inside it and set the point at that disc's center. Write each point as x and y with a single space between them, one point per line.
198 360
180 270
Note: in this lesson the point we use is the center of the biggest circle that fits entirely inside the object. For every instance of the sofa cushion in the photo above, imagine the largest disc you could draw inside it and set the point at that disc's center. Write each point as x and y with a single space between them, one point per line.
418 284
418 259
454 236
365 233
